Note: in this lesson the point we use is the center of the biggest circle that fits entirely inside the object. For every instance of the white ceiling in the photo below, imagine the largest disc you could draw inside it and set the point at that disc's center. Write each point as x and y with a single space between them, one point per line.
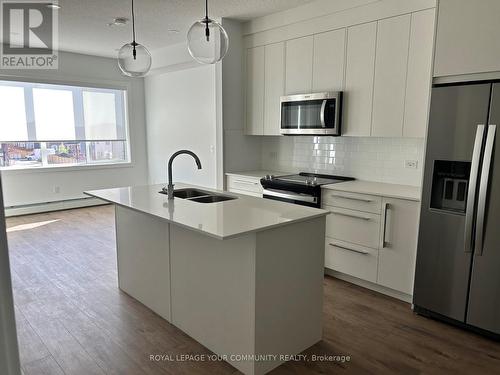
83 23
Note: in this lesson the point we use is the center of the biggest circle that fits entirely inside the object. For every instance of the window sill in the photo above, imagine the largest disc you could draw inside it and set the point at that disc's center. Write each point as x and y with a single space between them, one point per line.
65 168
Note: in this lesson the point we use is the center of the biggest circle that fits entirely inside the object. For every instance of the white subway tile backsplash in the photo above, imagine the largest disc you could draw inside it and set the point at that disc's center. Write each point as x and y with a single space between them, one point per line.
367 158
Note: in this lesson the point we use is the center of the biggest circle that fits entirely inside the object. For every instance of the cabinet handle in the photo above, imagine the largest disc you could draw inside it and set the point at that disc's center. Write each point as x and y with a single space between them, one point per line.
245 182
353 198
350 249
383 242
352 215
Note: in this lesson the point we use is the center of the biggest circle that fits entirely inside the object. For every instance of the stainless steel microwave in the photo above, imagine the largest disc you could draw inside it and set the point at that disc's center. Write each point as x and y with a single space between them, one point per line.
311 114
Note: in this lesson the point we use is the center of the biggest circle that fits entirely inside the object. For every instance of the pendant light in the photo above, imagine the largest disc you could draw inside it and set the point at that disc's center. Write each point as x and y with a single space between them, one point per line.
207 40
134 59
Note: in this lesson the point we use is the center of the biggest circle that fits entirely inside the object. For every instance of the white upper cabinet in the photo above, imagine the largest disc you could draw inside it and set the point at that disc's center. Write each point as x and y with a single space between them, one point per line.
390 76
299 63
274 86
419 77
255 91
467 37
329 61
361 41
397 253
384 69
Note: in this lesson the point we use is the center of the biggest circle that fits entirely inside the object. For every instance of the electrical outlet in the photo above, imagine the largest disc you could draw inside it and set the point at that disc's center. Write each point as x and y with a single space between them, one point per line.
56 189
412 164
273 155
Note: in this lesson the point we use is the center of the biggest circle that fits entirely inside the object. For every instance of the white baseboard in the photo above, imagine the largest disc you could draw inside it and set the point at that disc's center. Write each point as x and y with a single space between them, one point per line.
52 206
368 285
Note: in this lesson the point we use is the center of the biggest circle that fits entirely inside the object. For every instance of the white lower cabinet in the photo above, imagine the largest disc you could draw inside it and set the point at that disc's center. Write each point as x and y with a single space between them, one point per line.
351 259
397 254
357 227
372 238
244 185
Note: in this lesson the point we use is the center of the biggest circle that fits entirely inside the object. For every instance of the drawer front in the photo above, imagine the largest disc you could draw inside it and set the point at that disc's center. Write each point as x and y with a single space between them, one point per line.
245 184
353 260
360 228
352 201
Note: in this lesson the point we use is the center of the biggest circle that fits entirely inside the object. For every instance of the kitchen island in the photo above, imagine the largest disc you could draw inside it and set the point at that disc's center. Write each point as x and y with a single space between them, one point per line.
243 276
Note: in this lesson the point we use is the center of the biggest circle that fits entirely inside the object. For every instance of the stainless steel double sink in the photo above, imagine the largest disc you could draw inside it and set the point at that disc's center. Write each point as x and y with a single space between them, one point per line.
200 196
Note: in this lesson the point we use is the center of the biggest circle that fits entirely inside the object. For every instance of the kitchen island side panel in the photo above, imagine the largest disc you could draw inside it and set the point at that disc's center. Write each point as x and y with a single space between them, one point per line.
213 289
142 243
290 264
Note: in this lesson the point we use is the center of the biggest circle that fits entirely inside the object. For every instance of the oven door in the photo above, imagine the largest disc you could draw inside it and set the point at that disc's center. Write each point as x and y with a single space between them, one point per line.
291 197
313 114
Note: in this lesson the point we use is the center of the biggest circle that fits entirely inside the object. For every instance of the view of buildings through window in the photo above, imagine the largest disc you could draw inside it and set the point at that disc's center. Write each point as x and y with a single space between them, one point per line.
46 125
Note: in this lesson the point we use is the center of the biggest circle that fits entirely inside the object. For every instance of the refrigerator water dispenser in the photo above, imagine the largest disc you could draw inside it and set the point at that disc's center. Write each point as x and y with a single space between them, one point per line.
450 184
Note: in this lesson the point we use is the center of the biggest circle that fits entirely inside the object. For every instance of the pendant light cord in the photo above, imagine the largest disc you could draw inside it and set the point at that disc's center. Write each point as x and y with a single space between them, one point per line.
134 52
207 20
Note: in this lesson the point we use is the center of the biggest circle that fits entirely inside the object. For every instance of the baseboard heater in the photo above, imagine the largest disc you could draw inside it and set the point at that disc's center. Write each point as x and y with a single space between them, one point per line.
52 206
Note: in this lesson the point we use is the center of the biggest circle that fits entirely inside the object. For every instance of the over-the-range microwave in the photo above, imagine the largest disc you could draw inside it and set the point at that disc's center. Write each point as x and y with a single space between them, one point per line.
311 114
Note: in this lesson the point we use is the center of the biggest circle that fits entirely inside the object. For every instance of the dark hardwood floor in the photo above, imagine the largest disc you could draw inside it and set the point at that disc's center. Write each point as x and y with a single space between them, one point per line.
73 319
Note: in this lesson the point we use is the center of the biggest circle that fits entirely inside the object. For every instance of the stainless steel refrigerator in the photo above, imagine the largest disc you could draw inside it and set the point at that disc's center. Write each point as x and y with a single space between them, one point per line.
457 275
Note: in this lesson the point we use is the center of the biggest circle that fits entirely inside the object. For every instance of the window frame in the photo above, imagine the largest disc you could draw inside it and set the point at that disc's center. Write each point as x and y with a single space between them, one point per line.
91 85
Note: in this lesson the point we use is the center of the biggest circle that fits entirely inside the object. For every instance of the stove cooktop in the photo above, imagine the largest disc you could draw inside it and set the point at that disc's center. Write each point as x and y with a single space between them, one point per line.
308 179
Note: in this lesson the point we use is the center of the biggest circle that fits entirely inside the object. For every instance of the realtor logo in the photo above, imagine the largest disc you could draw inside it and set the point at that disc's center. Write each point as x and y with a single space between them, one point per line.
29 35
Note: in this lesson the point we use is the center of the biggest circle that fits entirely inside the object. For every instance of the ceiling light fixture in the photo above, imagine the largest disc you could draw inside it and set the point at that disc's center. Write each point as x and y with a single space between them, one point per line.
134 60
119 21
207 40
53 6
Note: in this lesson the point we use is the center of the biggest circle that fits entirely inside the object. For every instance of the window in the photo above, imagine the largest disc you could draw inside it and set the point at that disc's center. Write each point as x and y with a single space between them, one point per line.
45 125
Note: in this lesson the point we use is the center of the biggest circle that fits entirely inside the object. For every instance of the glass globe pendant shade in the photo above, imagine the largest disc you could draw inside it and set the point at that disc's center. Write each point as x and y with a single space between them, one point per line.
207 41
134 64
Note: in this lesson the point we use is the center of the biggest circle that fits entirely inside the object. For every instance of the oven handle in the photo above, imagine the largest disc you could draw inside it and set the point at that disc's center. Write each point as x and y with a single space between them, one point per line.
322 114
289 195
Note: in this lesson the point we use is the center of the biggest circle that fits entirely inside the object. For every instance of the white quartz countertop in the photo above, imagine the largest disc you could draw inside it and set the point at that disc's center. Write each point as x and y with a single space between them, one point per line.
256 174
378 188
222 220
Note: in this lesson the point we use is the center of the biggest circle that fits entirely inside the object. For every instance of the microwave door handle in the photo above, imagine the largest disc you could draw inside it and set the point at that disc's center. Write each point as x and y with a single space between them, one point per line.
483 189
322 114
471 195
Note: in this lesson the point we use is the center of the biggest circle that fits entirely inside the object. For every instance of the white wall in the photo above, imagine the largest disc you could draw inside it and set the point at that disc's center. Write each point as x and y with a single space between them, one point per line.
181 114
30 186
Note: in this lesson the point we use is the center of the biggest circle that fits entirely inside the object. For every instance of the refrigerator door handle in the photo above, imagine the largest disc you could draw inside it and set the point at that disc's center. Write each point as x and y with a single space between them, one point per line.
471 195
483 189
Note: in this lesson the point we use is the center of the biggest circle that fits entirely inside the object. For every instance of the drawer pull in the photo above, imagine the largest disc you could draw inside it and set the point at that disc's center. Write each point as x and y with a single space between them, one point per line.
245 182
349 249
352 215
353 198
383 242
